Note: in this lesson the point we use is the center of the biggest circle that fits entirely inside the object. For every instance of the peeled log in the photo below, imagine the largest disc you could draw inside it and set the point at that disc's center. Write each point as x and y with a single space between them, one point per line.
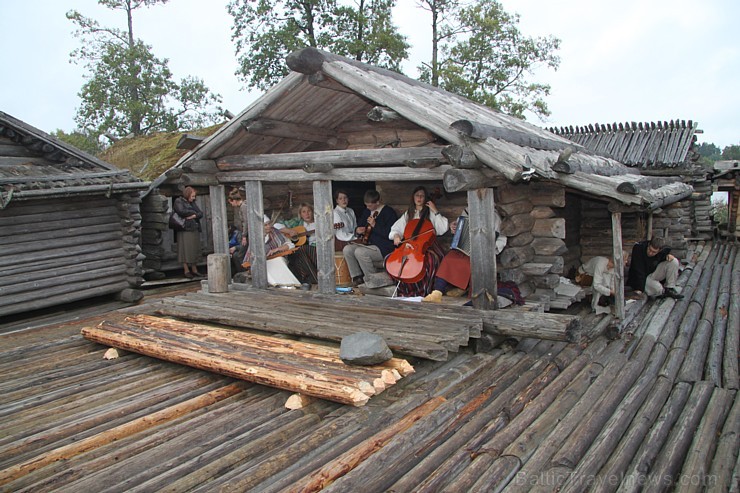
549 228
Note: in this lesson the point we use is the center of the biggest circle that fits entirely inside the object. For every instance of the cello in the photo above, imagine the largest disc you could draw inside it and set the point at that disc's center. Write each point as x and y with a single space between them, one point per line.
406 262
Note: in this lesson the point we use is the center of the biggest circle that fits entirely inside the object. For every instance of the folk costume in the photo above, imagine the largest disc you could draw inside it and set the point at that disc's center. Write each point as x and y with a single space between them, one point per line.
432 257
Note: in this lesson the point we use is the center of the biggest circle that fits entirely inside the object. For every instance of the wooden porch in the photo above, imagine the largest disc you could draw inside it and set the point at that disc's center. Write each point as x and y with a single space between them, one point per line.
654 410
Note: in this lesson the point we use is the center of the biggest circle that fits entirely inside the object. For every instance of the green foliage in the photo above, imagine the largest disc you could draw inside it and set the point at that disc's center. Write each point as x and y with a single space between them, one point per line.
81 140
130 91
266 31
488 60
720 212
731 153
709 151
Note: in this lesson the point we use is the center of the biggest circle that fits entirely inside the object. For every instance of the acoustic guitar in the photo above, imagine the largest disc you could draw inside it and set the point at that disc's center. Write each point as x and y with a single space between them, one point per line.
301 233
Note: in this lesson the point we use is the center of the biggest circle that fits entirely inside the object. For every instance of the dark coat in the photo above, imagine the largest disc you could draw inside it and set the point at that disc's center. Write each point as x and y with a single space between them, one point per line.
642 265
379 234
185 209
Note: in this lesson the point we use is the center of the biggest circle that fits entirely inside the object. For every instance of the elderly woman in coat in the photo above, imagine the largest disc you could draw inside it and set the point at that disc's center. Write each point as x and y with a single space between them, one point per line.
188 240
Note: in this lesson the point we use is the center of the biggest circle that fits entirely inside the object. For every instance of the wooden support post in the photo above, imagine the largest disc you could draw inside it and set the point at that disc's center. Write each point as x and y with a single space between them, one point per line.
482 249
219 224
219 272
255 223
324 217
650 226
618 264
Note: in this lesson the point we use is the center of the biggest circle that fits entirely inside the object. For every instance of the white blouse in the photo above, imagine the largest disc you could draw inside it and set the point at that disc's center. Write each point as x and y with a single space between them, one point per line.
440 223
346 217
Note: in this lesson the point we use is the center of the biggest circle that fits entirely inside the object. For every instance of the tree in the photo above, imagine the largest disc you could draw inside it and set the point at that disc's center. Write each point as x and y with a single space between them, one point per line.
130 91
731 153
442 29
266 31
709 151
81 140
488 60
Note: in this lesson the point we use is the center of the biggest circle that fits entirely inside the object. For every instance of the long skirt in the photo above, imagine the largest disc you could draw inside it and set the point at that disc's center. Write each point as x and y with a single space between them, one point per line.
432 258
188 247
455 269
303 264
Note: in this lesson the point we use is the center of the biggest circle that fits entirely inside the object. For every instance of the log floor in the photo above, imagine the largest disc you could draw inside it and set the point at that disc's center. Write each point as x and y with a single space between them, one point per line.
655 409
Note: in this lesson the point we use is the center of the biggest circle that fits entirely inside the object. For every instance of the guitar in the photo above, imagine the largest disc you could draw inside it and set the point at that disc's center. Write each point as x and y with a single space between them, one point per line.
300 234
248 264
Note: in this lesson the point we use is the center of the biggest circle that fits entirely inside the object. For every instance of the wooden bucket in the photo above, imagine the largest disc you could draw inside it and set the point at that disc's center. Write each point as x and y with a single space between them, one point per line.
341 272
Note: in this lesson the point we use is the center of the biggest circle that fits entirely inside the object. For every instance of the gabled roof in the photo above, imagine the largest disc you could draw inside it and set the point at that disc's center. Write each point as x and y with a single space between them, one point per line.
33 164
649 145
326 94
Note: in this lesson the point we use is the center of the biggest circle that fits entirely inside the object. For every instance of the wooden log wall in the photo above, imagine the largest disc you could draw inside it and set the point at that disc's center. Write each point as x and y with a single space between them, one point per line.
158 240
57 251
537 220
596 230
306 368
673 223
700 210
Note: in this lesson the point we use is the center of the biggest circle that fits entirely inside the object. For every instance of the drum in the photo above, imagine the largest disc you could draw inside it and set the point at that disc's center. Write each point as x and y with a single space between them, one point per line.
341 272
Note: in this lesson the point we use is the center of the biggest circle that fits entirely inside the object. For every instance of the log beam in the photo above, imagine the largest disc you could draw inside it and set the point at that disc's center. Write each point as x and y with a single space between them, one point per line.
459 180
289 130
482 131
336 158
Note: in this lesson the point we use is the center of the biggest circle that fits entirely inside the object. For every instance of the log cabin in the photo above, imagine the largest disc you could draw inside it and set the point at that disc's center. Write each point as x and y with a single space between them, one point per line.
335 121
662 148
69 223
726 178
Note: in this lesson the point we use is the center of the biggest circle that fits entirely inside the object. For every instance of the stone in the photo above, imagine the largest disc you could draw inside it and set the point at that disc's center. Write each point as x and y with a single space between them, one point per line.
364 348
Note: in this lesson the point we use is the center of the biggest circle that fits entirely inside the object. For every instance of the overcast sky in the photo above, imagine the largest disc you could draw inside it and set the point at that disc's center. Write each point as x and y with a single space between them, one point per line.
633 60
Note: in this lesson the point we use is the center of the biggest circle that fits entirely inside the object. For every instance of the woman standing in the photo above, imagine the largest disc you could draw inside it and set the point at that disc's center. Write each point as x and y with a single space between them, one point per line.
188 240
345 217
421 208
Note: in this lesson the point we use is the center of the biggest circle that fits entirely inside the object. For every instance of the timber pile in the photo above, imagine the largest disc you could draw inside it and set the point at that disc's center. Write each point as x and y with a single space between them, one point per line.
429 331
535 253
308 369
410 329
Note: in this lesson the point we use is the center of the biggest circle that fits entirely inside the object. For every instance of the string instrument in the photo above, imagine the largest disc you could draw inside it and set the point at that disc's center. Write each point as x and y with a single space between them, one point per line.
248 264
301 233
365 238
406 262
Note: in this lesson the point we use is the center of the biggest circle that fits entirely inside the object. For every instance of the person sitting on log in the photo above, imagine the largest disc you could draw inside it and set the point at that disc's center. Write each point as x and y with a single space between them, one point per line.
236 200
652 263
276 245
303 261
421 208
345 222
598 273
454 270
365 255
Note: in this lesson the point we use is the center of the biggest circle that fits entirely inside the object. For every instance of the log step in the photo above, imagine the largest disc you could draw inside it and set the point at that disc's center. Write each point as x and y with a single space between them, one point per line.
310 369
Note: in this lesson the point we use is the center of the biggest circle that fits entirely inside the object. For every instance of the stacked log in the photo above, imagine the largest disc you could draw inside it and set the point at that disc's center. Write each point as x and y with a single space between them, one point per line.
310 369
405 326
700 210
58 251
156 235
535 254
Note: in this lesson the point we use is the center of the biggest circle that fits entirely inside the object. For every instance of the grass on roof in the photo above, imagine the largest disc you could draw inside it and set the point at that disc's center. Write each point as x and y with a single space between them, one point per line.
149 156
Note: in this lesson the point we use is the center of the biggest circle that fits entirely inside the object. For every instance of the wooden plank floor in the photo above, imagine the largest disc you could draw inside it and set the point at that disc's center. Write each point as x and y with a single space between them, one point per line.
654 410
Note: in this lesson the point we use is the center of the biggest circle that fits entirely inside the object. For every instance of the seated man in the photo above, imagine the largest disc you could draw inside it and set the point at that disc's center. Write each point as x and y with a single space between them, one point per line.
374 226
598 273
651 264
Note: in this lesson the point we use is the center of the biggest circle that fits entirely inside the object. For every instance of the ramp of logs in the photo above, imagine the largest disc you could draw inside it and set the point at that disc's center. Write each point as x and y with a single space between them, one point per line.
428 331
308 369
